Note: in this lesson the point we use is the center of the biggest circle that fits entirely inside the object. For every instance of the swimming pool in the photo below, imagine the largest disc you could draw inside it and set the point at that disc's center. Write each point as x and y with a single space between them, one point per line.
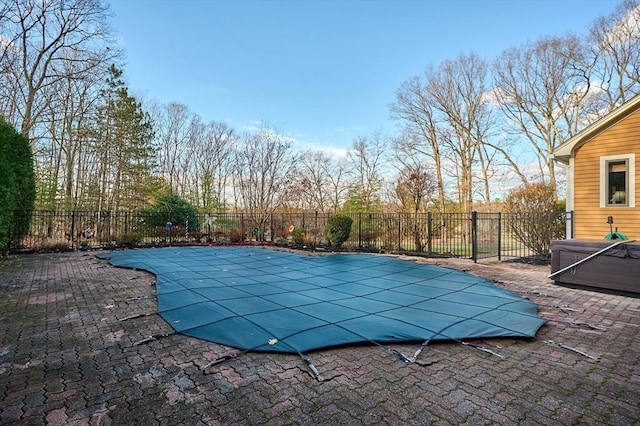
258 299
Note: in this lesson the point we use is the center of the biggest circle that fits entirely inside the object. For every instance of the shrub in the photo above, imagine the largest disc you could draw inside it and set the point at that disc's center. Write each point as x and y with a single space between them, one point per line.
535 217
58 247
298 235
338 229
219 236
130 239
198 236
309 240
280 241
236 235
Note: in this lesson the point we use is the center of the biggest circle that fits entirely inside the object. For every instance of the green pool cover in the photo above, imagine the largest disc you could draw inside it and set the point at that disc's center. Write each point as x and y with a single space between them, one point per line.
259 299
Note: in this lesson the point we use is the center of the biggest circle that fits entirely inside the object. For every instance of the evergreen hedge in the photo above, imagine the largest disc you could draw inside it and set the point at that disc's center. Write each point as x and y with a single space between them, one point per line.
17 185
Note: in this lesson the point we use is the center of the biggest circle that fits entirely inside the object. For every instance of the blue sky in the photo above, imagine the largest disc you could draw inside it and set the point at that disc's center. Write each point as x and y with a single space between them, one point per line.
321 71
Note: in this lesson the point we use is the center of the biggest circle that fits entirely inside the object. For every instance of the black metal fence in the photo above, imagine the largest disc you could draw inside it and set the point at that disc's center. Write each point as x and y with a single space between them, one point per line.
474 236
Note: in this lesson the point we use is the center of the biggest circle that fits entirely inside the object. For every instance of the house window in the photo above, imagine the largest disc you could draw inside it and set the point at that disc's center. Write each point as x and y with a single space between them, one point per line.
617 178
617 181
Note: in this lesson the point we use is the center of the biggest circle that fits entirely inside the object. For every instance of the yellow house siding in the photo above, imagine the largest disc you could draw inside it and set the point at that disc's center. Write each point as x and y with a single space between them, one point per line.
590 220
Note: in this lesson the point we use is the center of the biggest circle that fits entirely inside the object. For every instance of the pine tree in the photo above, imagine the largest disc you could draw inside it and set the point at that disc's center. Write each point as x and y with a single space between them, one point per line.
123 148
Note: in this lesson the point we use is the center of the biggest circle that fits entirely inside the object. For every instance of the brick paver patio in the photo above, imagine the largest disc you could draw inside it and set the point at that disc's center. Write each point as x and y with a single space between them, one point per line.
67 357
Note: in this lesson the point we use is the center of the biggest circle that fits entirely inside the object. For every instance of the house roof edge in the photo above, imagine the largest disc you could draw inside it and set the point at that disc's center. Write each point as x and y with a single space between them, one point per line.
565 151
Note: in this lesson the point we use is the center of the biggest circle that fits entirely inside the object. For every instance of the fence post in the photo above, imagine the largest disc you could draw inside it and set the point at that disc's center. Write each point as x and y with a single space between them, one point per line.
499 235
360 230
73 228
429 234
399 232
474 236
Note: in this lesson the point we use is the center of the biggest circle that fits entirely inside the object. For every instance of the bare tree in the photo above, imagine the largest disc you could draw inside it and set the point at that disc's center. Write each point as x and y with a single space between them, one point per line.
263 165
338 174
458 90
212 157
310 182
415 184
173 131
70 114
321 181
614 43
415 108
367 160
194 158
187 173
540 92
415 187
40 37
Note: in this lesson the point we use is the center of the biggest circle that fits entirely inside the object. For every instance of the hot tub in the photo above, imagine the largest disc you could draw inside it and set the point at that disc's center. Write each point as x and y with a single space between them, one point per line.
616 268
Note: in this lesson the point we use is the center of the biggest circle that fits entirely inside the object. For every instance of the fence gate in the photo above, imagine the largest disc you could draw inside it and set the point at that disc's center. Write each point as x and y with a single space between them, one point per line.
486 230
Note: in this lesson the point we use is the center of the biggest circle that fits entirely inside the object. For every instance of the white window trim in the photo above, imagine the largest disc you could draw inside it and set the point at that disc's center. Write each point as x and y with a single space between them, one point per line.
631 190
